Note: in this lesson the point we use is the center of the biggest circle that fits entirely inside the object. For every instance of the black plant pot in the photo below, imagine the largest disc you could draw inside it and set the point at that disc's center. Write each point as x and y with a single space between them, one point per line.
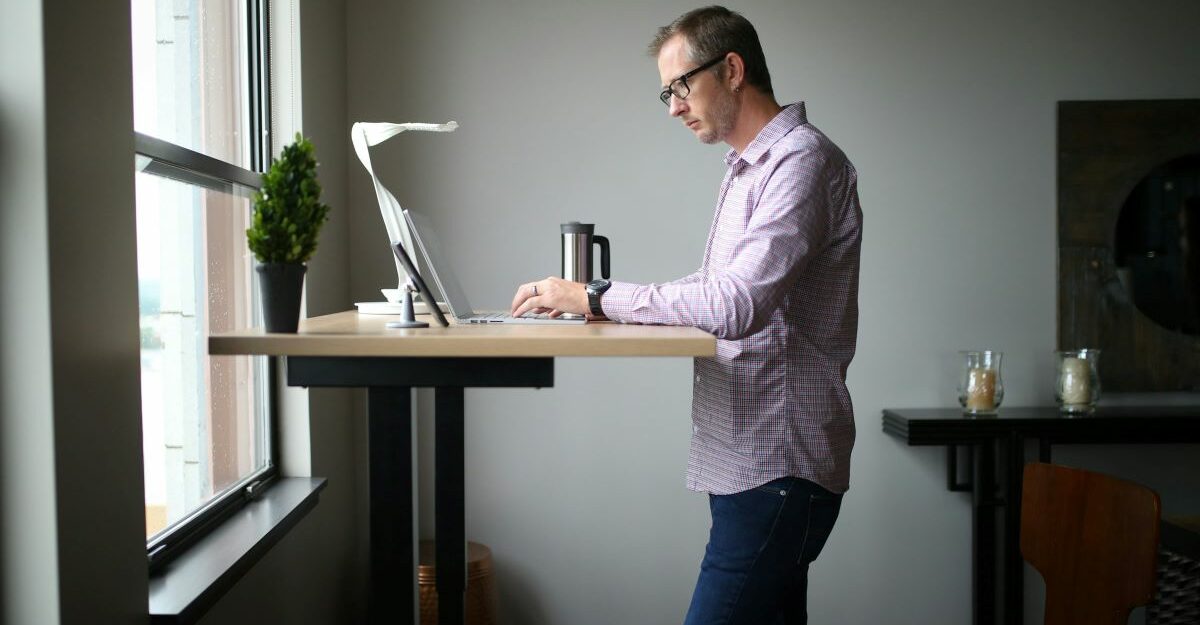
280 285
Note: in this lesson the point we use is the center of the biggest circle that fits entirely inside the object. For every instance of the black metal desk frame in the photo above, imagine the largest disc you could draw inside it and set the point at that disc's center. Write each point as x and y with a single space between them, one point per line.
994 463
389 382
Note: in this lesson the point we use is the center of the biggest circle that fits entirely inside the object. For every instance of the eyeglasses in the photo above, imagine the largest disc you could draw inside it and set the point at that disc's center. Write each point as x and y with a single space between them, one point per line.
679 87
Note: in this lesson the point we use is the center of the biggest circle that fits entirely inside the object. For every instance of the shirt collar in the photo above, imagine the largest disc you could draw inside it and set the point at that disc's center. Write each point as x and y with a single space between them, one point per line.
791 116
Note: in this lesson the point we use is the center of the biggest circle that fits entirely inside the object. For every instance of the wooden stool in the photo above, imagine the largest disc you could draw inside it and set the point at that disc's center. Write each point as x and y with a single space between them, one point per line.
481 588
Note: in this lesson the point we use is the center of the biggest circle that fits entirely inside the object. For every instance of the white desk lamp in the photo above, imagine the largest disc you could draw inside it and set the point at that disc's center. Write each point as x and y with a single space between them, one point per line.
362 136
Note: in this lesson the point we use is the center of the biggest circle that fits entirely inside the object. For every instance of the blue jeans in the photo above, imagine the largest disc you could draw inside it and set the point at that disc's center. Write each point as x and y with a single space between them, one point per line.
755 568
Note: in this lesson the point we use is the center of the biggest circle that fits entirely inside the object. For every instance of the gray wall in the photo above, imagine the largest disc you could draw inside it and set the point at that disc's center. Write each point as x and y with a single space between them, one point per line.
948 111
73 530
28 548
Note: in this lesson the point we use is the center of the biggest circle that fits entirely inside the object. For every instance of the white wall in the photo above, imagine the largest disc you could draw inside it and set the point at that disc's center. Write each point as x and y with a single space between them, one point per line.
948 111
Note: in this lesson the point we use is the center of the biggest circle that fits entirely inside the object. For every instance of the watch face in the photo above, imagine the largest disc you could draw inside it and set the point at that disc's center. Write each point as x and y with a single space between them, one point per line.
598 286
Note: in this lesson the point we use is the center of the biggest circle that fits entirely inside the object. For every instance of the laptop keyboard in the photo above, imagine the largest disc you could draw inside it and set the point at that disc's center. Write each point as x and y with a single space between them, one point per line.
499 317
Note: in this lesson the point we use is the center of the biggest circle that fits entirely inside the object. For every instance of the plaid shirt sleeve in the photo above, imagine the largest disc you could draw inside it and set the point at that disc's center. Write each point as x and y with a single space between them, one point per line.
789 226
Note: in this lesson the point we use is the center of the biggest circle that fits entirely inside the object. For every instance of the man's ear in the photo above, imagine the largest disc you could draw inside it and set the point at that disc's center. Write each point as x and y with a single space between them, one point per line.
736 69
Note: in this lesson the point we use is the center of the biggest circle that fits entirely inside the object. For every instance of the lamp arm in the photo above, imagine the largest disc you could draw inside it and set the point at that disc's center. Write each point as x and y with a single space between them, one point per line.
366 134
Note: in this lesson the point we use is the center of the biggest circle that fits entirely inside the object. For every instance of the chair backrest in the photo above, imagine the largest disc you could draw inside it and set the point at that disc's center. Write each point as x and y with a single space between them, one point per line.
1093 538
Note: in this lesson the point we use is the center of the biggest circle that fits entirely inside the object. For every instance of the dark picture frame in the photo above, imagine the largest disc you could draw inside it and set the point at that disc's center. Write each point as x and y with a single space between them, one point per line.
1105 149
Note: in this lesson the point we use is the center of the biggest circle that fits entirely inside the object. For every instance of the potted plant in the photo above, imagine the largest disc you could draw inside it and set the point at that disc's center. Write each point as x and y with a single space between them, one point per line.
288 215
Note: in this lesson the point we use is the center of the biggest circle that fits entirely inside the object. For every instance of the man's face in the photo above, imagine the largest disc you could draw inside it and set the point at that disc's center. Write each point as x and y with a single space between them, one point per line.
710 108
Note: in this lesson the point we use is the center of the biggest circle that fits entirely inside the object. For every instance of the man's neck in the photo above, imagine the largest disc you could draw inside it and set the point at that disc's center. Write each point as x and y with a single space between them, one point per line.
757 110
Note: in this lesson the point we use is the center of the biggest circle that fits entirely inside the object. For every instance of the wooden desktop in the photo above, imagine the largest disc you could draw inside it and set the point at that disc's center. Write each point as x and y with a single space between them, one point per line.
351 350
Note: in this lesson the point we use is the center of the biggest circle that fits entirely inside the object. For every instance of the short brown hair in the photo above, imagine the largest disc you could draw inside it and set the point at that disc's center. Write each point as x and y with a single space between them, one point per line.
715 30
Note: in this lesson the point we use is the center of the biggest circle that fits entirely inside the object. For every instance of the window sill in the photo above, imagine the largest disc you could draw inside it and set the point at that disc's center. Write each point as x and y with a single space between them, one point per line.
191 583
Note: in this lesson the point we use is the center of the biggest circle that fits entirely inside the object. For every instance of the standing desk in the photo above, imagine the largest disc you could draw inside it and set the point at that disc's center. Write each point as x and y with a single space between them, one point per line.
995 450
351 350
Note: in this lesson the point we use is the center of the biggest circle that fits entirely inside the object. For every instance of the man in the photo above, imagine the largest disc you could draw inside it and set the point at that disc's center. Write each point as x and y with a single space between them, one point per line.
773 424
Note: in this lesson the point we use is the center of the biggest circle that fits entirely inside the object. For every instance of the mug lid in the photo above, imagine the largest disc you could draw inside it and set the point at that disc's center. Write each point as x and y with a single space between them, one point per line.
575 227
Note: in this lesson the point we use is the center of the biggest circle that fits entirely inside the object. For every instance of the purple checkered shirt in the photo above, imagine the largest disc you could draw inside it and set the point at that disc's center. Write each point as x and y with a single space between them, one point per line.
778 287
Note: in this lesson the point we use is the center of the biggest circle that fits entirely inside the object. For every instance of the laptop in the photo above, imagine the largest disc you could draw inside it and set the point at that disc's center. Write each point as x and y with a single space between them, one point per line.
431 248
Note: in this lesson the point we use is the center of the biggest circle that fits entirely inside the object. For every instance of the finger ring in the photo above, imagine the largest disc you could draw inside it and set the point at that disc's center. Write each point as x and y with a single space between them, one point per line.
535 289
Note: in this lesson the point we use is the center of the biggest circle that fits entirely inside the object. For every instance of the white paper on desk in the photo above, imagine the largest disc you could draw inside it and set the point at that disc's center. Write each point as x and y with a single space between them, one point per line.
366 134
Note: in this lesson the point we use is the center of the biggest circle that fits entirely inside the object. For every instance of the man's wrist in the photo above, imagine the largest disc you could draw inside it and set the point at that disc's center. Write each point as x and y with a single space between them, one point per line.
595 291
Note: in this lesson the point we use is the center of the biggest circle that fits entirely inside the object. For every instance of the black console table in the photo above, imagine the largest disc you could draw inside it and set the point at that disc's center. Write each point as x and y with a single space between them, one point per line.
991 470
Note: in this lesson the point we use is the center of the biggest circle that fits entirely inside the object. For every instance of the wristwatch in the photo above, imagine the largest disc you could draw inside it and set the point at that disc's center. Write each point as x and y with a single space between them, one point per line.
595 289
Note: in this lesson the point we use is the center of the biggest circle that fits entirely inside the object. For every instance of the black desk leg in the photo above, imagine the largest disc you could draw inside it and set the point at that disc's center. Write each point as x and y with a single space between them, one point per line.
1013 465
393 586
450 505
984 535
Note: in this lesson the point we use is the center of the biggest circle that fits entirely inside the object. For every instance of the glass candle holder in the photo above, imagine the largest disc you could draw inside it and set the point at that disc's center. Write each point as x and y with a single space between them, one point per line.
981 389
1078 386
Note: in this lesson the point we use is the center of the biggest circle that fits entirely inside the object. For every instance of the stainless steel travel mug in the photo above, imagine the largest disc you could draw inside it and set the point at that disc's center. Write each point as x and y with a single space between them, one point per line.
577 242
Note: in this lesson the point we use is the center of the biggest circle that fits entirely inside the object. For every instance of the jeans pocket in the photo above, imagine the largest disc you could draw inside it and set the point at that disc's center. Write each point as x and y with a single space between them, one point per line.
822 514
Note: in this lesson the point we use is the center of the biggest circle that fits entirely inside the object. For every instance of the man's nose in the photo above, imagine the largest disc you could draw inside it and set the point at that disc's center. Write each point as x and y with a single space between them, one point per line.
675 106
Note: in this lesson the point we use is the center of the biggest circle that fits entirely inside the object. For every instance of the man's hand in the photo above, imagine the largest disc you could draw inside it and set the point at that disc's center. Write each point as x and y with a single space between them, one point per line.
553 295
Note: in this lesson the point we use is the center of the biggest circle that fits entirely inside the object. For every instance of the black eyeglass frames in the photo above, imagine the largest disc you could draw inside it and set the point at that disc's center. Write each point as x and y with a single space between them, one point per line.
679 87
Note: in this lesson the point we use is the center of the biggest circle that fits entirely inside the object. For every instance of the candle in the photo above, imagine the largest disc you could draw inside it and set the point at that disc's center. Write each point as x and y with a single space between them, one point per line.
1076 382
981 389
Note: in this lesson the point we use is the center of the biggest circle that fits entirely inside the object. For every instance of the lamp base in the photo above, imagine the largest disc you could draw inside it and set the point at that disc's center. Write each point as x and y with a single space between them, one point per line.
406 324
407 319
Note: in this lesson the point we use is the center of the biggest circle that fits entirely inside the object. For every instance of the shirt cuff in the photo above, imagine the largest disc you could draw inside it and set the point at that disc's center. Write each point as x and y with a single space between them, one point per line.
617 301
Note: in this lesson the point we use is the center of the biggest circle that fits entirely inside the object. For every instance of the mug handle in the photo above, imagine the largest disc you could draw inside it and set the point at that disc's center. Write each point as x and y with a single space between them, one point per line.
603 243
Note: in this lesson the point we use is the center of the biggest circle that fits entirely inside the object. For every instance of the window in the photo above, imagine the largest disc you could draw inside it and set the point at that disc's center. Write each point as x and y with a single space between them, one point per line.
191 75
200 123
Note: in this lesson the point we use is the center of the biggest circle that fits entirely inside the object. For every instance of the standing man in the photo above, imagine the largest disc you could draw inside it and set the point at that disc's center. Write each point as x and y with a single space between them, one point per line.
773 424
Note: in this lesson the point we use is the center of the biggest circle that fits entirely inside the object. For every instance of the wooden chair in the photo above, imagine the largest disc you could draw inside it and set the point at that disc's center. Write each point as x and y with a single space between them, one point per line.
1093 538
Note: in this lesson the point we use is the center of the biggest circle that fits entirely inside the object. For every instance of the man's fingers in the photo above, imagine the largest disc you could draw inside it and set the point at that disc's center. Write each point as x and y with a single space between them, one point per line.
518 297
524 292
538 297
527 306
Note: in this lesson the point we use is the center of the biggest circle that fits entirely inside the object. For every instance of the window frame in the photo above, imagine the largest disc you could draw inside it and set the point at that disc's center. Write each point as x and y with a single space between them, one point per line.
168 160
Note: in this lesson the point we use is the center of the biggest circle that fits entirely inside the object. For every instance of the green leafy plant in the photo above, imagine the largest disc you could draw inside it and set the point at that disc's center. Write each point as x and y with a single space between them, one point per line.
288 213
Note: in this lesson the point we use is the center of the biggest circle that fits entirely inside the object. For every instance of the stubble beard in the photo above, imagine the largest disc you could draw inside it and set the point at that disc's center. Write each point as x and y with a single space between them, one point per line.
722 118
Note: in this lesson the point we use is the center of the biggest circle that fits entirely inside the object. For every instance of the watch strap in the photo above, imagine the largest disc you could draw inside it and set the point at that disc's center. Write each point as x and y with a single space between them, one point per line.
595 290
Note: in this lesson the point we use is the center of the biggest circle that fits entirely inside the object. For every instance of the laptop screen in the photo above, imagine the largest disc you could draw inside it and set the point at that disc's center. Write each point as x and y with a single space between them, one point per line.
439 268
